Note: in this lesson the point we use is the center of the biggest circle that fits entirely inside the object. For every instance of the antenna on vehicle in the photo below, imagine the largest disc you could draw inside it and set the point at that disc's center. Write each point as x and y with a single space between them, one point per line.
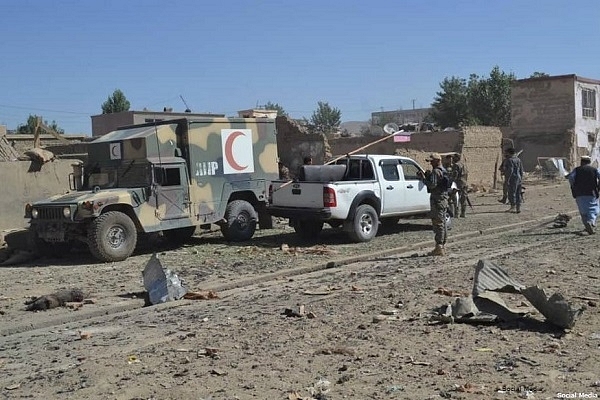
187 108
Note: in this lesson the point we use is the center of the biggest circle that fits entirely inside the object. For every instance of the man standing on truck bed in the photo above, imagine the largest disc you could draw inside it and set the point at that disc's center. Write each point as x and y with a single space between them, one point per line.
437 183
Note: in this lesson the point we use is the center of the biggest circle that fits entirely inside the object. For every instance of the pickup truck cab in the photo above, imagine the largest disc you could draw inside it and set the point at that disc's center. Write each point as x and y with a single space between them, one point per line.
356 192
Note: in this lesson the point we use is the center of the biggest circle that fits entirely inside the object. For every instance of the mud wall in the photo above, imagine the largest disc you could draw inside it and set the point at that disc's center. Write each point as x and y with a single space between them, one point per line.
294 143
20 186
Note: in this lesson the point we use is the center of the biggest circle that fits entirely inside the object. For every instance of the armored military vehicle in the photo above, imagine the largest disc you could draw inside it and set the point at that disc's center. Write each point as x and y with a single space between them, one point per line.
171 176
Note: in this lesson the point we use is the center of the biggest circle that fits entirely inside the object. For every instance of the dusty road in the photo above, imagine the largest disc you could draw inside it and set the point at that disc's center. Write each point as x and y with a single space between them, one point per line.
365 331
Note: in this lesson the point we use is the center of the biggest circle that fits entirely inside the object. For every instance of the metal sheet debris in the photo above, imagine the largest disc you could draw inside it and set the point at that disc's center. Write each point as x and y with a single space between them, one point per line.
161 284
485 305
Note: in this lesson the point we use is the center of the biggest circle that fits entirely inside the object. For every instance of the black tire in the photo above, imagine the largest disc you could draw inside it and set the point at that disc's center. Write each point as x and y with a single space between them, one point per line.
179 235
112 237
308 229
365 224
240 221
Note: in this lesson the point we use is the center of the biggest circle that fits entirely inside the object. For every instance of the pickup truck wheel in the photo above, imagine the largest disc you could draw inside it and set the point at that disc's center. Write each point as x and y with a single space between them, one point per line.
365 224
179 235
308 229
240 222
112 237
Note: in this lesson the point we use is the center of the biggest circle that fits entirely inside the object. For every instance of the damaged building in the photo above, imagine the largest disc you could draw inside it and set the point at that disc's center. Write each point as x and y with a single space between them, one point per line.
555 117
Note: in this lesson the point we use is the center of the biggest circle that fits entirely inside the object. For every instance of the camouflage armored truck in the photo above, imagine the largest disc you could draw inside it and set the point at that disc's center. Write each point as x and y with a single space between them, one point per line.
171 176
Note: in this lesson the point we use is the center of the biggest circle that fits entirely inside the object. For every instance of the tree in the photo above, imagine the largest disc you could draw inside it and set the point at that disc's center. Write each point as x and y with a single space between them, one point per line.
537 74
481 101
29 127
450 104
275 106
326 118
115 103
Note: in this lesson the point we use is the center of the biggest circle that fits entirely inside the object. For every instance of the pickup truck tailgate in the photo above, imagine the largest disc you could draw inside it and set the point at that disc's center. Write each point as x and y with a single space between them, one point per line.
297 194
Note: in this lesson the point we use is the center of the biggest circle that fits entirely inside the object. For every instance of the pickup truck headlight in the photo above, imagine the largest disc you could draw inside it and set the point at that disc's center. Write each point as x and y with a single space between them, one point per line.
34 213
67 212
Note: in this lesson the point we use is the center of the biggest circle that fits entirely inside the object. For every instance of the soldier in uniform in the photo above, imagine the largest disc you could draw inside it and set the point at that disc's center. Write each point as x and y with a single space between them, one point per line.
513 173
284 172
505 181
452 201
437 183
459 176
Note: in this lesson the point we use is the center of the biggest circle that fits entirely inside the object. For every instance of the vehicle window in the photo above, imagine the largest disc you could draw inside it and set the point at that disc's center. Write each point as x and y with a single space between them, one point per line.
167 176
390 172
367 170
410 171
354 170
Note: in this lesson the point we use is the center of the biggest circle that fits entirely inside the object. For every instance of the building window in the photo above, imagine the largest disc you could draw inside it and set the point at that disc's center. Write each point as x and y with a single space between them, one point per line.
588 103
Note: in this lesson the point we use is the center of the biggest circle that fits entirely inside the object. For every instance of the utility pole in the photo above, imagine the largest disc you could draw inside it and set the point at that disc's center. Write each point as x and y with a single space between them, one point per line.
413 100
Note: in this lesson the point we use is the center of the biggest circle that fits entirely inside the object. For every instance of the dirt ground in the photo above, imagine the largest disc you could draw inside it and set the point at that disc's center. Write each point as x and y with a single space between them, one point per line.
323 320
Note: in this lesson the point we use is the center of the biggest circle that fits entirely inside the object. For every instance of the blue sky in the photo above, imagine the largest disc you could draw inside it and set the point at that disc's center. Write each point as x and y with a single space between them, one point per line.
61 59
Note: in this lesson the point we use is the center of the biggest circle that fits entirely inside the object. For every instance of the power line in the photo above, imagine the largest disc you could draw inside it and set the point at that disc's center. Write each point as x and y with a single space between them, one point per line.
45 109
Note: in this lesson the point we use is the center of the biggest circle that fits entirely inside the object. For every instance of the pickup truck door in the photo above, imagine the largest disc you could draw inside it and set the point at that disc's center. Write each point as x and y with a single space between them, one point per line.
393 189
416 197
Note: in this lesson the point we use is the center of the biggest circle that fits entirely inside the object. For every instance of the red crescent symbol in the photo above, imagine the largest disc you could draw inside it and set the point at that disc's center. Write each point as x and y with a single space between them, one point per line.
229 151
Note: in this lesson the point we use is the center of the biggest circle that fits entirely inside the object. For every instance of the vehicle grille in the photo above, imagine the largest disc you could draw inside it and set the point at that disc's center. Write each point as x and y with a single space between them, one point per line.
50 213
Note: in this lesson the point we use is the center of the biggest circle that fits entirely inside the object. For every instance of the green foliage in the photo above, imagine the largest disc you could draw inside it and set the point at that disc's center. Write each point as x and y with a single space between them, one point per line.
29 127
326 118
275 106
481 101
450 104
537 74
115 103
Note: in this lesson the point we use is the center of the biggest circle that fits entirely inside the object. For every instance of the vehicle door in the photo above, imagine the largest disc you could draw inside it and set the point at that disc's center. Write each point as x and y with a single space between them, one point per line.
392 187
416 197
171 191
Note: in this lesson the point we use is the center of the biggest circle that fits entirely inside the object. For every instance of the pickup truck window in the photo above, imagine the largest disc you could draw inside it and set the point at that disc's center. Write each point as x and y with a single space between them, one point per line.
410 171
359 169
390 172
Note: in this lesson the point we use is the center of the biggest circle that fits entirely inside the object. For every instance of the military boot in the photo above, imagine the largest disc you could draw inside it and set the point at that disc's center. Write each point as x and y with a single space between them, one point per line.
438 251
511 209
462 212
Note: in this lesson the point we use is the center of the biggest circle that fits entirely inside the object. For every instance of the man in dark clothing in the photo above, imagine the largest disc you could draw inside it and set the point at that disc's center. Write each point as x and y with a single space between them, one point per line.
585 181
513 173
505 181
459 176
448 164
437 183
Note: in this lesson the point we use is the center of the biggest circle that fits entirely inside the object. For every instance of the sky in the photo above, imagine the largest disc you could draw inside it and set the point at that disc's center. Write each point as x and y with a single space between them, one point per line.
62 59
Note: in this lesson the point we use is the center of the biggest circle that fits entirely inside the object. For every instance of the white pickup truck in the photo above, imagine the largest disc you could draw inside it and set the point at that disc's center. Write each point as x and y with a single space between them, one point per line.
357 192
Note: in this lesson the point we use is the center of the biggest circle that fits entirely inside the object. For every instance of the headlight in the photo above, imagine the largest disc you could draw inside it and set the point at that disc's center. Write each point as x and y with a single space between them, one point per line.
67 212
34 213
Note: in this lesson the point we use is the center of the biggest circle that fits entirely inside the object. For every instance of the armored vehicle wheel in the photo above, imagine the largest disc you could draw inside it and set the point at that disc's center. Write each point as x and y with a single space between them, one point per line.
308 229
112 236
240 223
179 235
365 224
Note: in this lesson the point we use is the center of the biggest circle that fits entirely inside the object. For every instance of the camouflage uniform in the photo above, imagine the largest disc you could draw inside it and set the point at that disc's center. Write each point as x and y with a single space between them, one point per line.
452 203
459 176
513 173
438 201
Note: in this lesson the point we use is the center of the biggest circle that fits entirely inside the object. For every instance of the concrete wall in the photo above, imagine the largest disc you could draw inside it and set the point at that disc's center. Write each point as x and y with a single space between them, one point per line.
19 186
294 143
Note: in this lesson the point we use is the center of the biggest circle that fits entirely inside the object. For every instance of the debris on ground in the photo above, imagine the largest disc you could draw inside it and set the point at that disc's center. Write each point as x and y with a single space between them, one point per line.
161 284
59 299
561 221
209 295
485 305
